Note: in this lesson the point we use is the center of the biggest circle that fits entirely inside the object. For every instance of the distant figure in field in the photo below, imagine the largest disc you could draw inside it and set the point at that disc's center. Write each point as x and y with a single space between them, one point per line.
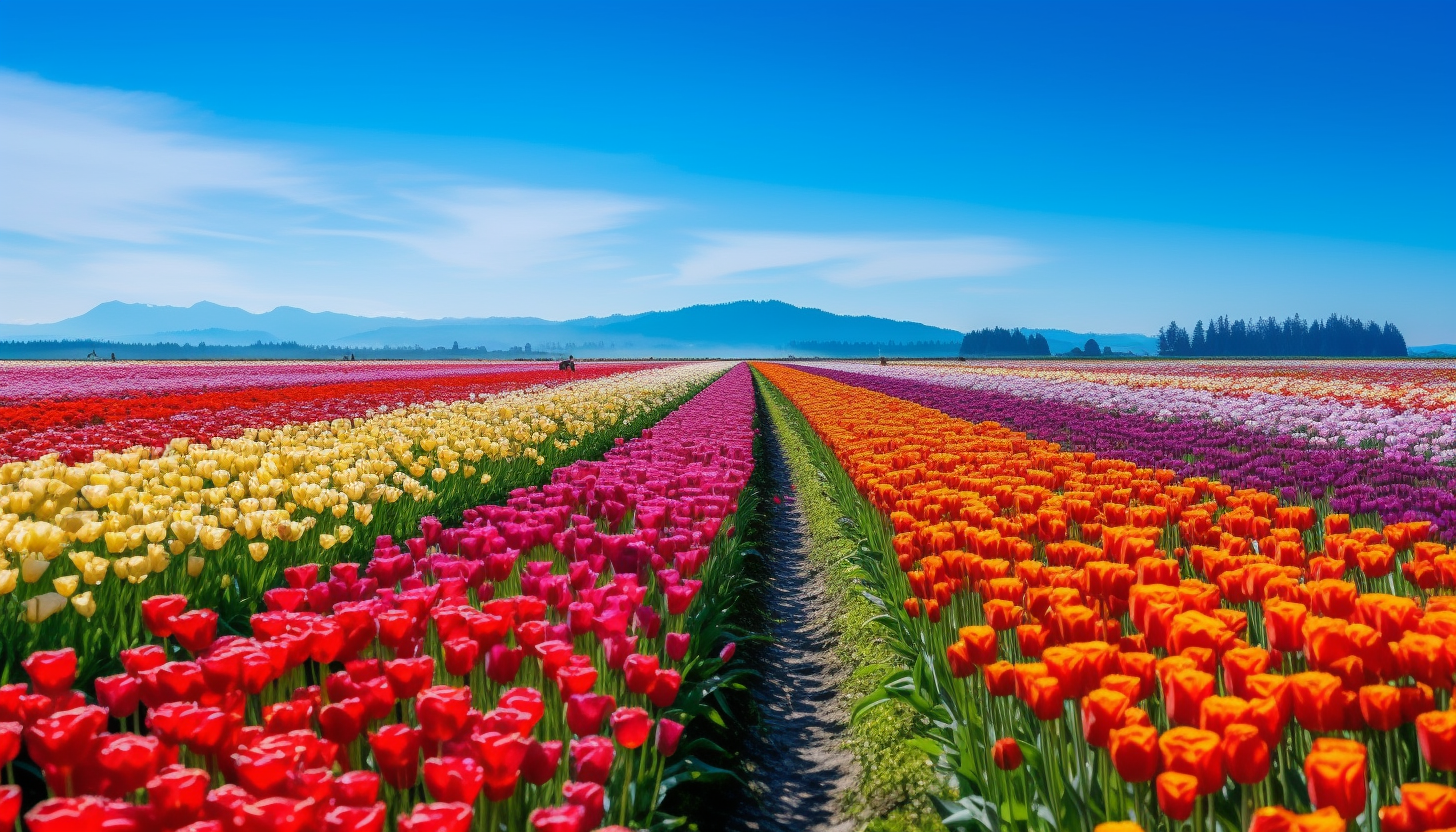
113 356
884 362
569 365
93 355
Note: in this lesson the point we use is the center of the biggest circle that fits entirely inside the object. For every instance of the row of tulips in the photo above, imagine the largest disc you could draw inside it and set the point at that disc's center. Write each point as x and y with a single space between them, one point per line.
1375 485
1092 641
22 381
81 545
1411 408
533 668
76 427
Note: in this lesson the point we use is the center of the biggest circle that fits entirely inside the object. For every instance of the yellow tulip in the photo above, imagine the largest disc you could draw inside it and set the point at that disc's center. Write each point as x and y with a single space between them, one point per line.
66 585
326 541
7 580
32 568
195 565
84 604
41 607
258 551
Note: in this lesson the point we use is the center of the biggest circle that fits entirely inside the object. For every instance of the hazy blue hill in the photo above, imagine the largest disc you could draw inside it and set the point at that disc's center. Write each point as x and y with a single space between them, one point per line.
772 322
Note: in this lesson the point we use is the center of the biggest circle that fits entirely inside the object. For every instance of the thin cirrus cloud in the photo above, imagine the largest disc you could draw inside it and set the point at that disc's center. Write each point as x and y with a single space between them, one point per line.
510 231
103 164
848 259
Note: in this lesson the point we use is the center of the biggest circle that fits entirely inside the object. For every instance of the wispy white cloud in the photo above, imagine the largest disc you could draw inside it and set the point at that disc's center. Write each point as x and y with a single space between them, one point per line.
509 232
79 162
848 259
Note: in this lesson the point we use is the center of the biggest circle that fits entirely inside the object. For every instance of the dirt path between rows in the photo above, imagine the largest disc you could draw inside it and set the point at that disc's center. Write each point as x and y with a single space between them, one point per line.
799 768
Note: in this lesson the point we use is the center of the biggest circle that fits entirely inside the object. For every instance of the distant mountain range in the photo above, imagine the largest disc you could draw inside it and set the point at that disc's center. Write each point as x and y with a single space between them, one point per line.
742 328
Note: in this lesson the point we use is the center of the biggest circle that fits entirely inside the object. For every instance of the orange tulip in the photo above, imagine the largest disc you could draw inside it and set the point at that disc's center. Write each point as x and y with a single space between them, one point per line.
1045 698
1380 706
1176 794
1430 806
1184 692
1239 664
1284 622
1102 711
1134 752
1195 752
1317 704
1335 771
1245 754
1219 712
1436 733
980 643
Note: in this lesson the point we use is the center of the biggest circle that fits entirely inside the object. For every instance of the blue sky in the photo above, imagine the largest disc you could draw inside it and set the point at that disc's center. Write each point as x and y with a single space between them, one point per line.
1092 166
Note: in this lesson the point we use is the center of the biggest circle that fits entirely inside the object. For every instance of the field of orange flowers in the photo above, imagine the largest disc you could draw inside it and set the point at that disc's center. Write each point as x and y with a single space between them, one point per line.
1093 642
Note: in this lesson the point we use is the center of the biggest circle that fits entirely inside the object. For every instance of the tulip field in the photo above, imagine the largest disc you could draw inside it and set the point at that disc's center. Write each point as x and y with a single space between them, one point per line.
1159 593
503 597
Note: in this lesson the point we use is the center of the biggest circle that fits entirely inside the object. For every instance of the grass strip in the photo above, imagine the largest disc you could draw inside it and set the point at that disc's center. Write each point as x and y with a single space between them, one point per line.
897 783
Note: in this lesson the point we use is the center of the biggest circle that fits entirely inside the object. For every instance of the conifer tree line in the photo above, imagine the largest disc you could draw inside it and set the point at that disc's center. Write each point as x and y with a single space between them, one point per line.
999 341
1265 337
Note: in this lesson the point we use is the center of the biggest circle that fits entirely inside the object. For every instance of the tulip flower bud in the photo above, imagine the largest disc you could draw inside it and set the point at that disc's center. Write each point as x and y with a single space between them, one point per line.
7 580
66 585
258 551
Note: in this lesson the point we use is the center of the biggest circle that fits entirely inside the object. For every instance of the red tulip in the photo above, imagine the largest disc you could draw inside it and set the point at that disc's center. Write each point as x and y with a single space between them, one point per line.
119 695
9 805
502 757
177 795
589 796
503 663
407 677
159 611
129 761
585 711
438 817
397 752
64 738
669 732
591 759
461 655
356 788
453 779
631 727
442 711
541 761
568 818
195 630
1006 754
1102 711
664 688
641 672
52 672
677 645
9 742
343 721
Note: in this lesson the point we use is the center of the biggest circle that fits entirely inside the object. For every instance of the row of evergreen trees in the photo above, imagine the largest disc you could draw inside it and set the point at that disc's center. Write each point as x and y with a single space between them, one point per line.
1000 341
1336 336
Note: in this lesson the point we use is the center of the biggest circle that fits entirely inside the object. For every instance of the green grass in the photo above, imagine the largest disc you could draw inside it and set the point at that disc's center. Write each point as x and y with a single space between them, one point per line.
896 781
